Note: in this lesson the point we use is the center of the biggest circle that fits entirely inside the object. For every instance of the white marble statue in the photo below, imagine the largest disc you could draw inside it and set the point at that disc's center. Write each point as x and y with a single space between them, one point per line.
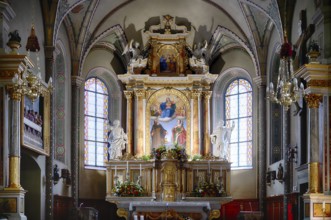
221 138
117 140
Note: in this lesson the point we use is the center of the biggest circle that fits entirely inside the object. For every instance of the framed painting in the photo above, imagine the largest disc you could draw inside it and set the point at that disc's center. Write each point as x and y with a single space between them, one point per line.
168 124
168 60
35 124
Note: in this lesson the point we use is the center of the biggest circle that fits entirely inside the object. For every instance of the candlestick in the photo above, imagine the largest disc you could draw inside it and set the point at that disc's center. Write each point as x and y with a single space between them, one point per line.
115 170
140 170
127 166
135 217
323 206
208 166
141 217
221 174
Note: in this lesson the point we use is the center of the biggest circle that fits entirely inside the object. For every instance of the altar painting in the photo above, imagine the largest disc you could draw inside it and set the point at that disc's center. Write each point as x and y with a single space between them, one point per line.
168 59
168 124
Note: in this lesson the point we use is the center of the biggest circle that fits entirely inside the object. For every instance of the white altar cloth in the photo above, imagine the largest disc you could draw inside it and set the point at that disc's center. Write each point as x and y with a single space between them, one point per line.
188 207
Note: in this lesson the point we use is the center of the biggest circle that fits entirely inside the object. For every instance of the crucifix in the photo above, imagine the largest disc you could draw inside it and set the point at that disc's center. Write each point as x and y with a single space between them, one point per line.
300 49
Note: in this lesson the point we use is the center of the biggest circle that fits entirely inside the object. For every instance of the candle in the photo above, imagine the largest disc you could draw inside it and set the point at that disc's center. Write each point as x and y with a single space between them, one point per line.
115 170
221 174
127 166
140 169
142 217
208 166
135 217
323 205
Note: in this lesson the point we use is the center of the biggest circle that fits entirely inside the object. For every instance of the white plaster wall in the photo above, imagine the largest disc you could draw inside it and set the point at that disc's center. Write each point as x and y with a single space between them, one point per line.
238 58
23 22
193 10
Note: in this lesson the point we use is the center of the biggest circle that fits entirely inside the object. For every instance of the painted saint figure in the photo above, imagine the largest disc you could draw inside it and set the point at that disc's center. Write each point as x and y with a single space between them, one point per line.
221 138
167 108
179 134
117 140
158 134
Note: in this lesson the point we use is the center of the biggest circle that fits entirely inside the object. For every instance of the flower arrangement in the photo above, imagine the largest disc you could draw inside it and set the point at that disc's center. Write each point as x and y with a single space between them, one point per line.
205 189
157 153
313 46
179 152
128 189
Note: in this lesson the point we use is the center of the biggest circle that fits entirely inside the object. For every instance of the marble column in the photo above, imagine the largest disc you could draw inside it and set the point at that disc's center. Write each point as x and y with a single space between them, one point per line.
129 122
206 121
76 83
286 167
49 61
262 143
314 184
139 128
6 14
15 138
196 128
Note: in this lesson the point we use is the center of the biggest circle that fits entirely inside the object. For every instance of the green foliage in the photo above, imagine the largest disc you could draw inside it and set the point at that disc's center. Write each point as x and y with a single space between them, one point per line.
128 189
196 157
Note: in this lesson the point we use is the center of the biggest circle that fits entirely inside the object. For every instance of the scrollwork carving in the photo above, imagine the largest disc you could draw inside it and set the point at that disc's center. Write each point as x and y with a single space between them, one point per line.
313 100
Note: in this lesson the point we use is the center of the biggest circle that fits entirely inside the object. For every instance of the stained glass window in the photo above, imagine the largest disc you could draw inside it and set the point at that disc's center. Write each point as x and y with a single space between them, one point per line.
95 122
238 109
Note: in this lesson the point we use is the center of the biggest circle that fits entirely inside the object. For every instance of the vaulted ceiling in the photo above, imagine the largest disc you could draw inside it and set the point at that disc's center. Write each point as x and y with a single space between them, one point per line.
245 24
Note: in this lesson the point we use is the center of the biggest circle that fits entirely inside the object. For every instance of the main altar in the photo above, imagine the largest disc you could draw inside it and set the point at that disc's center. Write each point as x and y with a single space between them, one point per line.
169 168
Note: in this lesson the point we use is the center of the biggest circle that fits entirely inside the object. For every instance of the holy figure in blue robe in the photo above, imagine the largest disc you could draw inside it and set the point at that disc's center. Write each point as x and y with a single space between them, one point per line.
168 108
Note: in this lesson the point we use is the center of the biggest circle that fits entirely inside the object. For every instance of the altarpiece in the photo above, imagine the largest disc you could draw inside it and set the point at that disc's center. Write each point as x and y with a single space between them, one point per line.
168 94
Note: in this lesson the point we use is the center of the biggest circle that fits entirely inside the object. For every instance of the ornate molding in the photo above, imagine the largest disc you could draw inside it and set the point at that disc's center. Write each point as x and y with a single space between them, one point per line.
128 95
313 100
319 83
207 95
122 213
214 214
196 94
77 81
139 93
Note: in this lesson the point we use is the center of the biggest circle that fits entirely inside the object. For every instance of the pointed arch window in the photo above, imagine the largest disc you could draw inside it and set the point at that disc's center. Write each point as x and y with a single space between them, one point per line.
95 122
238 109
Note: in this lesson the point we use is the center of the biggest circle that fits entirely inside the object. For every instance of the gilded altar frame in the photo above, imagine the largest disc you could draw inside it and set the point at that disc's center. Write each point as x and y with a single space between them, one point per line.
186 102
44 108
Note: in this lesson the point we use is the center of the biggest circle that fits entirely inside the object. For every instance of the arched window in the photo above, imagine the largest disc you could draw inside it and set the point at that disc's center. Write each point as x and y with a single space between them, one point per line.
96 122
238 109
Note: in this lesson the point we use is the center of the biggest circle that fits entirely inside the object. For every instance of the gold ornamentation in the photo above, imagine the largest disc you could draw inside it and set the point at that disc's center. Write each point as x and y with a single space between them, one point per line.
127 156
168 180
319 83
140 93
313 100
122 213
14 94
209 156
214 214
207 95
314 177
14 172
128 95
196 94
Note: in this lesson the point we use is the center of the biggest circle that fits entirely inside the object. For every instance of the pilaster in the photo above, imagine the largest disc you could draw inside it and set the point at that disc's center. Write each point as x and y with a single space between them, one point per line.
129 122
196 94
139 142
206 121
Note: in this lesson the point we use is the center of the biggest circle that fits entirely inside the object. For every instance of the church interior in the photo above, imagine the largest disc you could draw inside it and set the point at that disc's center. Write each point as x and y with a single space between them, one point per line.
142 109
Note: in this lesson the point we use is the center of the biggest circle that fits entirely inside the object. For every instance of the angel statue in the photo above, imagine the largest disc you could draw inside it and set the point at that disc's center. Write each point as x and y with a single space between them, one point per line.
221 138
117 140
134 51
200 52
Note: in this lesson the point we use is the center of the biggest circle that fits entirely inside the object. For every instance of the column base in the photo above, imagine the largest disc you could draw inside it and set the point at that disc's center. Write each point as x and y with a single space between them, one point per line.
12 202
317 206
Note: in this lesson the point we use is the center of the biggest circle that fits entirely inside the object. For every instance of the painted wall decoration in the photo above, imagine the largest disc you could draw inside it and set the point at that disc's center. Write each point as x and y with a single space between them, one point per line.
168 124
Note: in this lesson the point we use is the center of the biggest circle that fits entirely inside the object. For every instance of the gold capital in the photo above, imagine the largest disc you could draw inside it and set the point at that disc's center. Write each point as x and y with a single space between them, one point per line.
196 94
207 95
128 94
14 93
140 93
313 100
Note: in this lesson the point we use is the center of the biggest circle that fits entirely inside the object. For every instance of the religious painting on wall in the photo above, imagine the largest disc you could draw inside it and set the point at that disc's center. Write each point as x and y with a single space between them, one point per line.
168 124
168 55
35 128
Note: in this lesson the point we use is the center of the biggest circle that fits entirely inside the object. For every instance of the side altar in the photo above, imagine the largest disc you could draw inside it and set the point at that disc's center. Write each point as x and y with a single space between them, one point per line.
169 167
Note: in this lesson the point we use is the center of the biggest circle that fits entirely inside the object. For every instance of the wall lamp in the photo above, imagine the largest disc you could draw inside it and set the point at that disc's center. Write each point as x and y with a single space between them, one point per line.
270 177
65 175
